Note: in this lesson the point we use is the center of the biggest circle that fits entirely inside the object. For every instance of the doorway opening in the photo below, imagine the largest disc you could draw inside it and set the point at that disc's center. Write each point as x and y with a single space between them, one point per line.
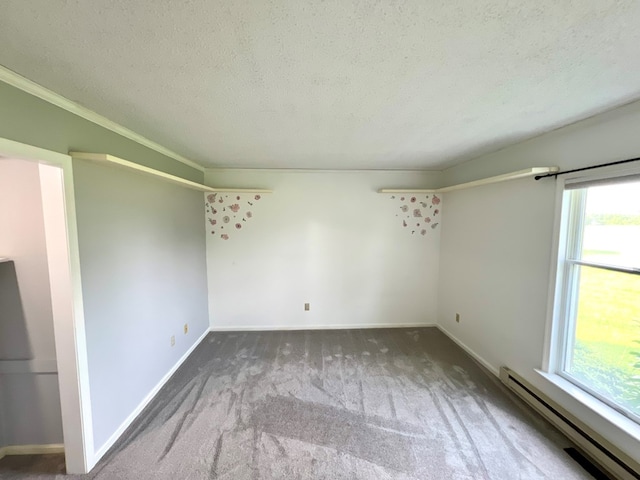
44 396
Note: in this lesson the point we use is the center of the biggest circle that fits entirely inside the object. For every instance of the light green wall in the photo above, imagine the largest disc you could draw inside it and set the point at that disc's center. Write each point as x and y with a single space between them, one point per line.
28 119
497 252
144 275
606 137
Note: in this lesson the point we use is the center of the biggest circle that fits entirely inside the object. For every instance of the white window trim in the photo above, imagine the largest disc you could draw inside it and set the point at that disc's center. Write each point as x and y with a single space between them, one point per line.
555 326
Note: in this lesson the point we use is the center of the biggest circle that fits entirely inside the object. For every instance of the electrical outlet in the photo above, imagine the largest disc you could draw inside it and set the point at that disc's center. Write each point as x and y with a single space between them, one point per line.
306 307
173 340
186 328
458 317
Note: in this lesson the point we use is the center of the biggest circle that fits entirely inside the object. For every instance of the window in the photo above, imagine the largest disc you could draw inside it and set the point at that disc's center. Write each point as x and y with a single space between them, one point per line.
598 307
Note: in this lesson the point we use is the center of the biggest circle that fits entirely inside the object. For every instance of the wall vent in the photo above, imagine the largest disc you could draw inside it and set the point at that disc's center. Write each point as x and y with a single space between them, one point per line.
599 450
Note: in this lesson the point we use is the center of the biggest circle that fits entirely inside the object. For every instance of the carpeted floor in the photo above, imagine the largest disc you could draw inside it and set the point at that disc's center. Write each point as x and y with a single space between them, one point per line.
352 404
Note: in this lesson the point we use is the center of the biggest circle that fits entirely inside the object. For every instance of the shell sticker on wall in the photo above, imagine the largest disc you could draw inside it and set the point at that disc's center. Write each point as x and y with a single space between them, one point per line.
419 214
228 213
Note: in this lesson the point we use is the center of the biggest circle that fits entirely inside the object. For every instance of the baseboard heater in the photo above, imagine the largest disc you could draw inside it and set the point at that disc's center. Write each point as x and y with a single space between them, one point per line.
593 445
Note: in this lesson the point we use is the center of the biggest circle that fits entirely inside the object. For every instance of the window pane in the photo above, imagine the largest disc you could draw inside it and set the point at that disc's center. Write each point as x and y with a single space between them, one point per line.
606 342
612 225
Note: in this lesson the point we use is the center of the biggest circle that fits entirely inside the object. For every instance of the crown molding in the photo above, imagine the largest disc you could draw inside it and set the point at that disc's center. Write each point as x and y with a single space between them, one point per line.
18 81
318 170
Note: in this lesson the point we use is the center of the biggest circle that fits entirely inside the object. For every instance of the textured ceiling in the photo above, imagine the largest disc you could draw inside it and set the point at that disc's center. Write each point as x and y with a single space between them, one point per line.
330 84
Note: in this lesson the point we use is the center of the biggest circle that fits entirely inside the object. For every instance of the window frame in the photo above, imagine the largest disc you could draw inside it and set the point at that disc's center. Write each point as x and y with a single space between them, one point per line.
564 284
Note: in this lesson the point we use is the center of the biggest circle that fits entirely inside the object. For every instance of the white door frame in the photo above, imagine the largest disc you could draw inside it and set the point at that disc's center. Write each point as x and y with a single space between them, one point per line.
66 297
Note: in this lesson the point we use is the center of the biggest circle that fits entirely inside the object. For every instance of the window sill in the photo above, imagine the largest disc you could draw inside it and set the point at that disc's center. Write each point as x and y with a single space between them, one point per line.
598 407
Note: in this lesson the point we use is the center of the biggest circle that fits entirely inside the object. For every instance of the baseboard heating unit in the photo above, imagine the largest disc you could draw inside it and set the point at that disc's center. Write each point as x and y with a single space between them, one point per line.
593 445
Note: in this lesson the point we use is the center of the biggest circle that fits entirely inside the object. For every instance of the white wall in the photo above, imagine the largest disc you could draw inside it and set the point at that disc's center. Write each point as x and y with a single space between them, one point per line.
3 440
23 241
143 267
326 238
30 397
497 246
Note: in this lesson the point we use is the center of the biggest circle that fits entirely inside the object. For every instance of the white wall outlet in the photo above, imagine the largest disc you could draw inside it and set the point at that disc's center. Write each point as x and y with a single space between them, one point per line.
186 328
173 340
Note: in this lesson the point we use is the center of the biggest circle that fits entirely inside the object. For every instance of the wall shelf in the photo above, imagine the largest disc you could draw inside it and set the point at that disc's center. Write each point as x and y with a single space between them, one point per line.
408 190
119 162
238 190
528 172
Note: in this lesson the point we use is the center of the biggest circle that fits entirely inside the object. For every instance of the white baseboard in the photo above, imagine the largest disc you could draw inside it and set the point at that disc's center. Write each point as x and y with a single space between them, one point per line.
31 449
485 364
116 435
270 328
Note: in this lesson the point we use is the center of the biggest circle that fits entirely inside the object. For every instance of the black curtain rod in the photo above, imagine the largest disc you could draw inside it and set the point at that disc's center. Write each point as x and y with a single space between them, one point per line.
555 174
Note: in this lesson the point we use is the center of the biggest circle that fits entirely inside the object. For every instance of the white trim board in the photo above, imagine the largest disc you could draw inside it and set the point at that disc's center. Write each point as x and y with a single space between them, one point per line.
105 158
31 449
238 190
22 151
18 81
63 260
482 361
99 453
271 328
527 172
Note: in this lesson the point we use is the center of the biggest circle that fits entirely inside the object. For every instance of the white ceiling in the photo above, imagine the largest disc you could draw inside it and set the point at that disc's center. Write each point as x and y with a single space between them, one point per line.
330 84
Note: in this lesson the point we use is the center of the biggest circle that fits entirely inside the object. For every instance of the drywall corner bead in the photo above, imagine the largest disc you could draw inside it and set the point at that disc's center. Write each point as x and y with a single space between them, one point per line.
420 213
228 214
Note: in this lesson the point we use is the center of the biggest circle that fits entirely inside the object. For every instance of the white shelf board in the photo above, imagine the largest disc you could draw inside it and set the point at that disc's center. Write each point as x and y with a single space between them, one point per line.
407 190
528 172
239 190
119 162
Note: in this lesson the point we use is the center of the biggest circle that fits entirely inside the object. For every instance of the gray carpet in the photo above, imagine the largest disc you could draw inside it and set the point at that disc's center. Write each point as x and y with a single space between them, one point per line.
351 404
